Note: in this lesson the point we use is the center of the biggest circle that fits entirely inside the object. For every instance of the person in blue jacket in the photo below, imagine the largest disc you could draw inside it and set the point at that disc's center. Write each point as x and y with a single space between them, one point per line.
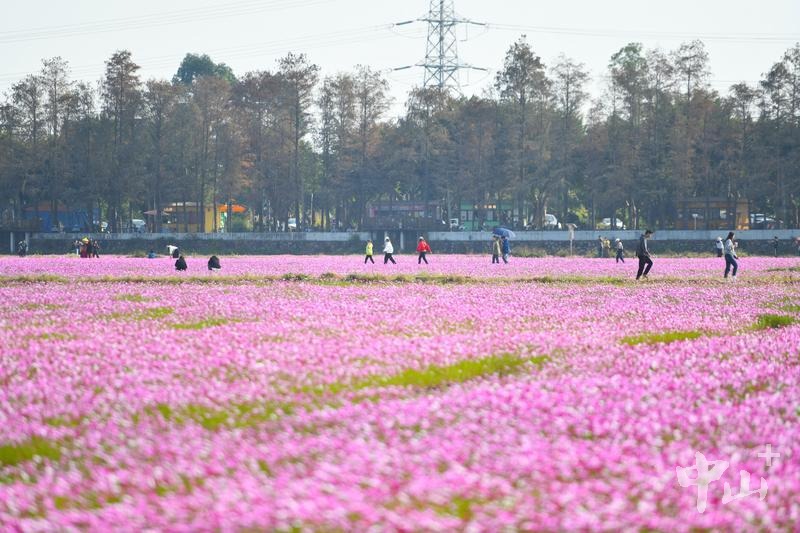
506 249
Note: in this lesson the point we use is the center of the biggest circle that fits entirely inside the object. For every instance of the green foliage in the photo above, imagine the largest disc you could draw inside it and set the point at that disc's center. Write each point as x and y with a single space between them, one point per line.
468 369
12 454
201 324
771 321
666 337
131 298
194 66
150 313
212 418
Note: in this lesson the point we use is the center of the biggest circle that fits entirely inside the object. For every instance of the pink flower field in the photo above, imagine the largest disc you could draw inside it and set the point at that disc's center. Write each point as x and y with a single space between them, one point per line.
317 393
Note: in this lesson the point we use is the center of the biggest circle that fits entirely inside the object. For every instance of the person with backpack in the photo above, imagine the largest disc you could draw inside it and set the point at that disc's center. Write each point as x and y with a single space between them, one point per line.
368 251
645 263
620 251
730 257
388 251
496 249
180 264
422 249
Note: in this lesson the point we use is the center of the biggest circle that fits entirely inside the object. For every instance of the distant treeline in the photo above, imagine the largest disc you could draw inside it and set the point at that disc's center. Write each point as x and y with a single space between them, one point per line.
288 144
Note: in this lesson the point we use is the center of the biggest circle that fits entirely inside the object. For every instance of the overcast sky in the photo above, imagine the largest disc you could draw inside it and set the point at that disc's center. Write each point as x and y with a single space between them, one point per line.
743 38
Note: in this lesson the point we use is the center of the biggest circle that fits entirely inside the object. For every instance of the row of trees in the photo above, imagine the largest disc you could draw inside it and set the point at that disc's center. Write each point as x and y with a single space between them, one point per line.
289 144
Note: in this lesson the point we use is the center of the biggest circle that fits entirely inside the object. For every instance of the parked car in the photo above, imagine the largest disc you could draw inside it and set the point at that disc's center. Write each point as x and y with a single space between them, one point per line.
606 224
292 224
455 224
762 221
138 225
551 222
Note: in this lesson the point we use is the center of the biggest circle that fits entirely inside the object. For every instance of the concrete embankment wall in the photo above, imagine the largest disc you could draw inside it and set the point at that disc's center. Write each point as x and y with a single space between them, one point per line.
754 242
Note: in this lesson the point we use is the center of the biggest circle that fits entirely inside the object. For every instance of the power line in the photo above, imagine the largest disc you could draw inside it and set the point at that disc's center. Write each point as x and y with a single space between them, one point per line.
363 34
616 33
165 18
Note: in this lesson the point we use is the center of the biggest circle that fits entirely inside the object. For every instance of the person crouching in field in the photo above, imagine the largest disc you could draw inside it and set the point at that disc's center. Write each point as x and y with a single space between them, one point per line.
422 249
496 249
645 263
388 251
620 251
180 264
730 257
213 263
368 252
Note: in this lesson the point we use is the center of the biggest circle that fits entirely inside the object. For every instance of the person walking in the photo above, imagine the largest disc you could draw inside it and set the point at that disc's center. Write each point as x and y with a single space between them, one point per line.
600 246
645 263
180 264
368 252
506 248
719 246
95 248
388 251
730 257
496 249
620 251
422 249
775 243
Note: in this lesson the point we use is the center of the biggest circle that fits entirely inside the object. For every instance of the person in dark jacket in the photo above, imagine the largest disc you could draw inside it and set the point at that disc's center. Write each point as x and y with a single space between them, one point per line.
506 246
731 257
213 263
775 243
180 264
645 263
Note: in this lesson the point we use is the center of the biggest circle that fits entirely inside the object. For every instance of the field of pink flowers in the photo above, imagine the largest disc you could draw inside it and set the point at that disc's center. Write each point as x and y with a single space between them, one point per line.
547 394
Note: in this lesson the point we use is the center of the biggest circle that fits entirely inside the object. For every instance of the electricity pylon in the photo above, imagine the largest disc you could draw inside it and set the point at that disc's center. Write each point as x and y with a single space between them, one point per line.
441 62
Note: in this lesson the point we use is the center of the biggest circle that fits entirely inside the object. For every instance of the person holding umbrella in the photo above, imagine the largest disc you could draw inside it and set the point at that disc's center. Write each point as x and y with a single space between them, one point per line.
506 247
645 263
422 249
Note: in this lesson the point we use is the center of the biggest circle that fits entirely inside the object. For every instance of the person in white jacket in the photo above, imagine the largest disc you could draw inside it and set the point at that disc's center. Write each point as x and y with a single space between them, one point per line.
730 256
388 251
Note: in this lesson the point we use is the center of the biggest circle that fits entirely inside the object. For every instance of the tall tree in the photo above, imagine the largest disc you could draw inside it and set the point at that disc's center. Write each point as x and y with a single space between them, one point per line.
522 82
300 78
121 96
58 87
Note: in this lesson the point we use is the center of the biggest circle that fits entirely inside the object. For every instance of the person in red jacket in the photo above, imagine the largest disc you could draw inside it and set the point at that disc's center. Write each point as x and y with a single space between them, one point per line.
422 249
